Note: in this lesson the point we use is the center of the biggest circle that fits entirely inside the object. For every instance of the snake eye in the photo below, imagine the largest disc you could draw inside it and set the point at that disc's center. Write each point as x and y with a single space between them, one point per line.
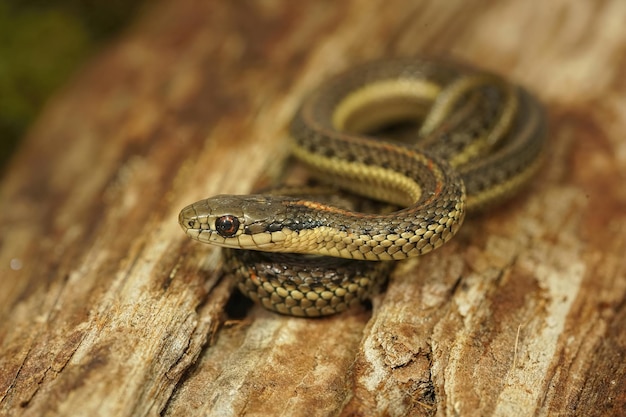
227 225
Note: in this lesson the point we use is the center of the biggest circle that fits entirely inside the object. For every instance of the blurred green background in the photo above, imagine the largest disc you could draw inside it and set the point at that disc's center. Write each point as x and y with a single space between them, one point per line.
42 43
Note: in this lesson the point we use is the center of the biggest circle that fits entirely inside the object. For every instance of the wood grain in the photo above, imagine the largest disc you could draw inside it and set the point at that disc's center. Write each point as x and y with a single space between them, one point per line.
106 308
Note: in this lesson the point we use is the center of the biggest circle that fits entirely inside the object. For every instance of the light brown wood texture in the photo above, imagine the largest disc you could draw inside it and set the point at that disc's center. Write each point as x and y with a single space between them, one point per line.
107 309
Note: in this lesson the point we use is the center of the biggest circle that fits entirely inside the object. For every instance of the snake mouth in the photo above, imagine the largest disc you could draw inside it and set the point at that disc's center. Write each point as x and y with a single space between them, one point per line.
199 223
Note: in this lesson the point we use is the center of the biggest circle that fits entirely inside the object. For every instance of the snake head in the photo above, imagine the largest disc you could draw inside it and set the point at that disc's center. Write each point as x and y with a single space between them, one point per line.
235 221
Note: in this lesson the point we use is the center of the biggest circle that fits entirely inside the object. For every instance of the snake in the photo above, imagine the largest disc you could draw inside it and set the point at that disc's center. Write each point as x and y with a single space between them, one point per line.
475 139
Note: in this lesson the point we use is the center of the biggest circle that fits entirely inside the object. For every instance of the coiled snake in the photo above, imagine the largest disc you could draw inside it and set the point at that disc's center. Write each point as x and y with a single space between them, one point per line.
480 139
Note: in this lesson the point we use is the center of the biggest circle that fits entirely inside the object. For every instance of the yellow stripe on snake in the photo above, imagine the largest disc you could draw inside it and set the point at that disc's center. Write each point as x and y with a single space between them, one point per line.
480 139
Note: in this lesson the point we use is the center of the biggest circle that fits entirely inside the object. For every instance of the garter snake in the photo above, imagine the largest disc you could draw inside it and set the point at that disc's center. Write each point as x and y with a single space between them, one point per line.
479 140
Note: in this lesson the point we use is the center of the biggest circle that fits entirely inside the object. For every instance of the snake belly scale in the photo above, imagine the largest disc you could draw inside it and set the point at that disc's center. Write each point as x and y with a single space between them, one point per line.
480 139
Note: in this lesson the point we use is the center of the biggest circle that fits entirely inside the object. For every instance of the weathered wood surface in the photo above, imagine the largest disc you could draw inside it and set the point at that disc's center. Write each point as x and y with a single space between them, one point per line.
106 308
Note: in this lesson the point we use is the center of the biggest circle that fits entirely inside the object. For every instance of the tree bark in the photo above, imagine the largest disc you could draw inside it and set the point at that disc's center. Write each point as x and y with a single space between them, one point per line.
106 308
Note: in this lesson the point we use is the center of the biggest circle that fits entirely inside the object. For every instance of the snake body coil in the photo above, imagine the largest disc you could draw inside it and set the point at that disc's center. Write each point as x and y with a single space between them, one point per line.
480 139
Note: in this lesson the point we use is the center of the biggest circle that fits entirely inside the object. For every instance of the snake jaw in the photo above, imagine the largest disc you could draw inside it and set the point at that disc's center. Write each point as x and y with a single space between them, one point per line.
234 221
201 221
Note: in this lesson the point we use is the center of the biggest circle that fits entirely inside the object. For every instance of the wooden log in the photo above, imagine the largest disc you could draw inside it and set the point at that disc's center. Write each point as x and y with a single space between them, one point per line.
106 308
